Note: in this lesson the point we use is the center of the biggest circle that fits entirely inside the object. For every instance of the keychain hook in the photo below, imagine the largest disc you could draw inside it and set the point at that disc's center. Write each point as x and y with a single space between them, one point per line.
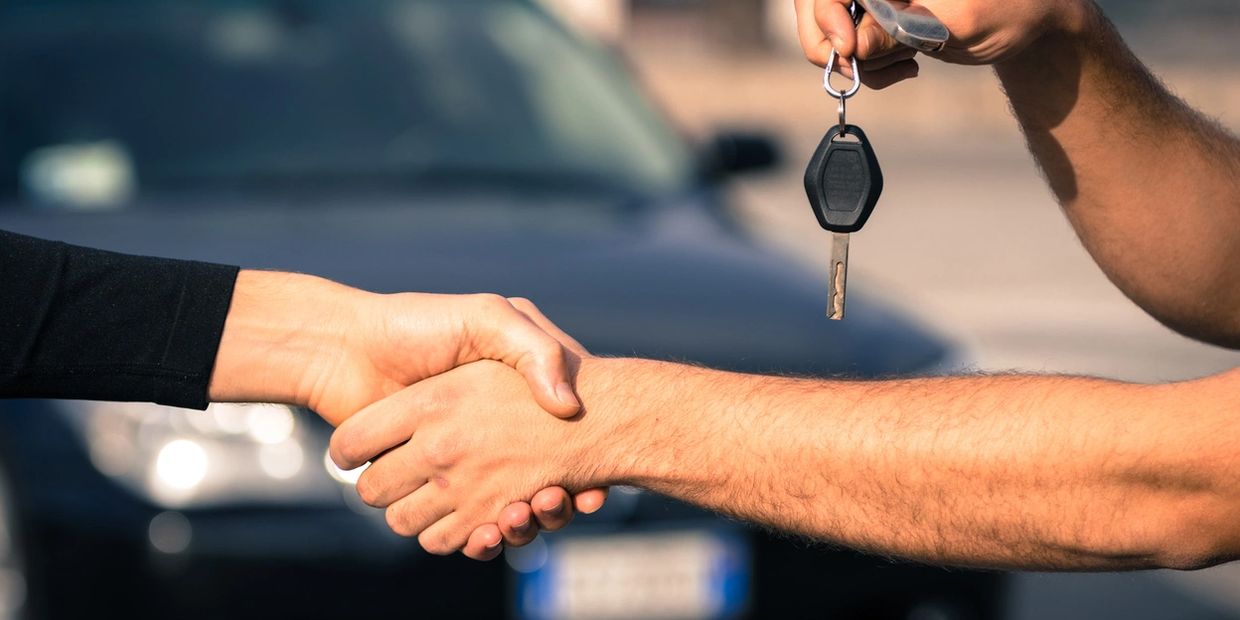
856 12
826 79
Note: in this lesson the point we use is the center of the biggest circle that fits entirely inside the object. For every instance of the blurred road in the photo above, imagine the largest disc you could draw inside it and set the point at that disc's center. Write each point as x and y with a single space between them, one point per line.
968 238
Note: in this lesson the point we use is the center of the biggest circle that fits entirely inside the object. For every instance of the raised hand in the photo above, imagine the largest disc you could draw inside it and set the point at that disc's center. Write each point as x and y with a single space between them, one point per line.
983 32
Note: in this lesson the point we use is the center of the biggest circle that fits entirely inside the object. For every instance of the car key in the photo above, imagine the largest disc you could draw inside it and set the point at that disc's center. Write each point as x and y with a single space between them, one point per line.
843 182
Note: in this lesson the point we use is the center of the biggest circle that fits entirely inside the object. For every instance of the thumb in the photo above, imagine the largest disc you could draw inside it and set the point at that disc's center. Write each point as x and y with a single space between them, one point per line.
517 341
823 27
528 308
546 370
873 41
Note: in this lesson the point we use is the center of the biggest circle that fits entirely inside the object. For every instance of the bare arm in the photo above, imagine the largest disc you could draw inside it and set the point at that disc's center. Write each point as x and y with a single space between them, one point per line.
1013 472
1028 472
1151 186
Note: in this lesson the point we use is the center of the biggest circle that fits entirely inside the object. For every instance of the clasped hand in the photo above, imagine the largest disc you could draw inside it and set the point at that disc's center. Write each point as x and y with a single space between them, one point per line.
455 458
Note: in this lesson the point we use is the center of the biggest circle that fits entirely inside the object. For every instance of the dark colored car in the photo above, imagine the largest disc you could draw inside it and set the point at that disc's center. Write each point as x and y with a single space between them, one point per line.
435 145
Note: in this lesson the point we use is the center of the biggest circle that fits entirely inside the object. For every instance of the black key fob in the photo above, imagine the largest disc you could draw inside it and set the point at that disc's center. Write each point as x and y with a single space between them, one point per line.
843 180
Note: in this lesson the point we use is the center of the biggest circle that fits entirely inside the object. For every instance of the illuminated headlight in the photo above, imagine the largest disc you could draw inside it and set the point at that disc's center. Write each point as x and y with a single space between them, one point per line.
227 455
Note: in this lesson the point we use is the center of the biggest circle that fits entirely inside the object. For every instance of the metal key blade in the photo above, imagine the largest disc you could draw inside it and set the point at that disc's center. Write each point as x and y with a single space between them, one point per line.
838 276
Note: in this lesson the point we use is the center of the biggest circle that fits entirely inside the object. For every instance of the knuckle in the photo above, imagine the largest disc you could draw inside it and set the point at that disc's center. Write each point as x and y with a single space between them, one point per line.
491 302
397 523
522 304
436 543
966 26
549 350
443 451
341 449
369 492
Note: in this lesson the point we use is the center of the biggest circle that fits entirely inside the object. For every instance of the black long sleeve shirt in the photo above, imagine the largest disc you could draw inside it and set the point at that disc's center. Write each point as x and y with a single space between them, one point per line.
79 323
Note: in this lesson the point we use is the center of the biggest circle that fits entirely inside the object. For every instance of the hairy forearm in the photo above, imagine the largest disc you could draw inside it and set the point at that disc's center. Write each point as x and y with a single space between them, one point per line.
1029 472
1151 186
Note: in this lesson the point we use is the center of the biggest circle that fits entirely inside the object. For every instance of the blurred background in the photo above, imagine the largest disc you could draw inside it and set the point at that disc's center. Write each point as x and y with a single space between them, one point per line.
632 166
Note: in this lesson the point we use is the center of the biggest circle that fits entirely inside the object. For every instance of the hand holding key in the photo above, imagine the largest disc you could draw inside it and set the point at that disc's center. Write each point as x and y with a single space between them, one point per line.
982 32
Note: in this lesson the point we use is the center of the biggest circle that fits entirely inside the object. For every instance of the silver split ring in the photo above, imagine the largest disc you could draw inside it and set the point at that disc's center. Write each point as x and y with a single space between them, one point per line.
843 110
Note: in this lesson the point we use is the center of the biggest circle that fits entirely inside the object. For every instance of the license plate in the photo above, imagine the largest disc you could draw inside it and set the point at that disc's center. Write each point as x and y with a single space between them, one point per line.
671 574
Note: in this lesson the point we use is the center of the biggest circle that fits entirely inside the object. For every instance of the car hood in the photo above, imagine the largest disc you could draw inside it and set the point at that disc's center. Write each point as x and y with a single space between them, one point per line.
667 283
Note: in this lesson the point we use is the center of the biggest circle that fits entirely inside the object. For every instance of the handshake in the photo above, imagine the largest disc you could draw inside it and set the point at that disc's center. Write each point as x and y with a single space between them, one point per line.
463 406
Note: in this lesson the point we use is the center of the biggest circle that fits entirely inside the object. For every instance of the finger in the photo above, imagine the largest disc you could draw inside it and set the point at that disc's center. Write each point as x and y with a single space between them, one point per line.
378 428
590 501
553 508
516 524
485 544
882 62
412 514
531 311
837 25
894 74
446 536
873 41
511 337
814 43
393 476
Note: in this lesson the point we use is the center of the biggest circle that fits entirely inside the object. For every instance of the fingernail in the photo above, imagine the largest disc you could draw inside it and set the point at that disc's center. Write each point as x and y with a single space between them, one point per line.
564 392
495 544
836 41
872 36
523 526
555 510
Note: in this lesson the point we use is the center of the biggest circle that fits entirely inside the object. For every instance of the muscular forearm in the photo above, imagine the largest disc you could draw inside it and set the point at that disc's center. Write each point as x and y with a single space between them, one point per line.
1151 186
1030 472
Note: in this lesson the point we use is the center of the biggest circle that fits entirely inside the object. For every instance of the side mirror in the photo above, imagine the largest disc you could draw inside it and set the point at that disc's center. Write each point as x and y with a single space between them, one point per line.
731 153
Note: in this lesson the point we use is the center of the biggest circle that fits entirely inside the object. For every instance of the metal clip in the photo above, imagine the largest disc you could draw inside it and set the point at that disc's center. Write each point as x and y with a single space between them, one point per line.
856 11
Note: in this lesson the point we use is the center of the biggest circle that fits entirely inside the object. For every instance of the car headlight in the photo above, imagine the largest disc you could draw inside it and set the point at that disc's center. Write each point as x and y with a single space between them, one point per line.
227 455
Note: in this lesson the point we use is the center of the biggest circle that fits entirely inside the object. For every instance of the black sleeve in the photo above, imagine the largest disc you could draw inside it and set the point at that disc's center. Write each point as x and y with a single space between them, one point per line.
79 323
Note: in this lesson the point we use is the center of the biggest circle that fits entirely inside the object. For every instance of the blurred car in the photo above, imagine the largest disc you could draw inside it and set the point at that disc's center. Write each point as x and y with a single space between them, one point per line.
435 145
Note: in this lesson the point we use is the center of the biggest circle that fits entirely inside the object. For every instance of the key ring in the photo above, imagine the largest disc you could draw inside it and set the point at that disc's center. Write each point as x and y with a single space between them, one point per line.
842 96
843 109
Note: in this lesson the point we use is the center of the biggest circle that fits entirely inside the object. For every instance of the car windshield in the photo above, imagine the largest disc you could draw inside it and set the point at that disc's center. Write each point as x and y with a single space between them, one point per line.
186 94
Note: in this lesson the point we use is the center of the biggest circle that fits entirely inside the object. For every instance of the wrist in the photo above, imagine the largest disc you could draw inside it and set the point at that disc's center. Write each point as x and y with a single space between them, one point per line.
612 420
1074 18
1068 25
282 331
638 415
